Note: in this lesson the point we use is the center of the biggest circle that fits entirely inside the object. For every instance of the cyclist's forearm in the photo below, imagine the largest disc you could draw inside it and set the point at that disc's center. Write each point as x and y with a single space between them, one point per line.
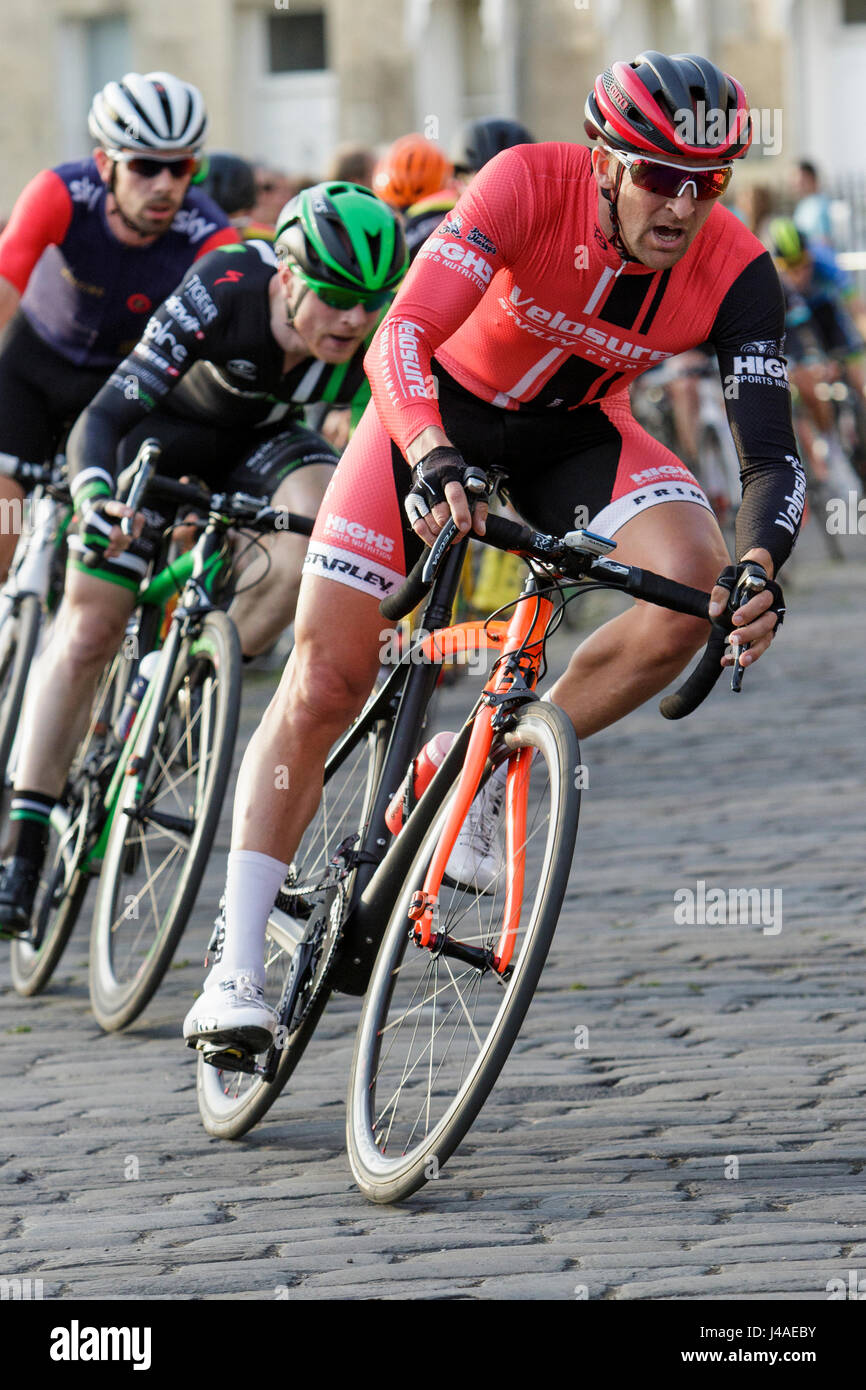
433 437
91 449
774 495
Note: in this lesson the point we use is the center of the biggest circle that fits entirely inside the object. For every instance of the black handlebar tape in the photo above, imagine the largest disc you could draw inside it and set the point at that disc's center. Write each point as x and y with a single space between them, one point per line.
507 535
500 532
170 490
667 592
696 687
410 593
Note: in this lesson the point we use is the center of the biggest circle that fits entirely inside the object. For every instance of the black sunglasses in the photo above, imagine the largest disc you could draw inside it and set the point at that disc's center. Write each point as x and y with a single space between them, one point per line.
147 168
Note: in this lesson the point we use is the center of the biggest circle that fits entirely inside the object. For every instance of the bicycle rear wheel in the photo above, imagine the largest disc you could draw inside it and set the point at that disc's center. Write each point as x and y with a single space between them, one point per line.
158 846
435 1031
311 907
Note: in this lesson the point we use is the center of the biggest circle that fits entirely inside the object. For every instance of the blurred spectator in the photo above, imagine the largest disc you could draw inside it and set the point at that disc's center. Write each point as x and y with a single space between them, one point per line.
351 164
812 215
273 191
230 181
478 141
412 168
755 205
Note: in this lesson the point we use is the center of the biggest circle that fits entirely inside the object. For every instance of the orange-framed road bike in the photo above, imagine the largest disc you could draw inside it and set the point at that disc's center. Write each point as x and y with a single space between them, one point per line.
448 967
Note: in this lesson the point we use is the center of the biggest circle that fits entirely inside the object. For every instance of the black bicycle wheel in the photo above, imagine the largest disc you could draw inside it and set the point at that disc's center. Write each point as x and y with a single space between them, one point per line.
311 908
158 847
19 638
62 885
435 1028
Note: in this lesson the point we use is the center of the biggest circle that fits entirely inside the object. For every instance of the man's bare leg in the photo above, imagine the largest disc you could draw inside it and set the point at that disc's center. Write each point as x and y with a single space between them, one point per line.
264 609
57 708
635 655
338 638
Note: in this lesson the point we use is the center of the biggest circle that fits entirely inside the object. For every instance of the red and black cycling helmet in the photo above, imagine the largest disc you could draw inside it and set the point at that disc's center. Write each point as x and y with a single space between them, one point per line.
643 107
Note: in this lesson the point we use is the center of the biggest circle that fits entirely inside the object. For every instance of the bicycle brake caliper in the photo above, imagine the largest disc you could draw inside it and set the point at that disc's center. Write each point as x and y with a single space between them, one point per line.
421 912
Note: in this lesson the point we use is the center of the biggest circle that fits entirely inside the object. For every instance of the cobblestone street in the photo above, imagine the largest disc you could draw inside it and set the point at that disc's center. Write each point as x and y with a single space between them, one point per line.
681 1118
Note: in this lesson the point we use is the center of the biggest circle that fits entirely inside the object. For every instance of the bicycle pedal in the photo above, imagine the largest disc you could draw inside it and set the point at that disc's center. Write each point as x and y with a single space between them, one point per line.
227 1058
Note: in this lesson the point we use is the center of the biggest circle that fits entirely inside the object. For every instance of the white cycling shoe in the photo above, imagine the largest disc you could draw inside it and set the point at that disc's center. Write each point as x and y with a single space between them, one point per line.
478 856
231 1011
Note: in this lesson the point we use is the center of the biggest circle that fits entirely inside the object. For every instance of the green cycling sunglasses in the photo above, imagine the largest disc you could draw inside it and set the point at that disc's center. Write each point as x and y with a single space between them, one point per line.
336 298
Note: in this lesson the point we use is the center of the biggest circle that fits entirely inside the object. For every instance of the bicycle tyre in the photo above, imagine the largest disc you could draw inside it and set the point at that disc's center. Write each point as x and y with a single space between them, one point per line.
126 970
230 1102
387 1161
19 638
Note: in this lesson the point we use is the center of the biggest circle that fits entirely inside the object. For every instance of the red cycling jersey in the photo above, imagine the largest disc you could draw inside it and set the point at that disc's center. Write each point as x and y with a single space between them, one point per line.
518 330
523 299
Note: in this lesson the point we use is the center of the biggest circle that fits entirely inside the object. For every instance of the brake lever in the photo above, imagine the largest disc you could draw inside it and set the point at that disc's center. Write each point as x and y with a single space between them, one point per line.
754 584
475 483
437 550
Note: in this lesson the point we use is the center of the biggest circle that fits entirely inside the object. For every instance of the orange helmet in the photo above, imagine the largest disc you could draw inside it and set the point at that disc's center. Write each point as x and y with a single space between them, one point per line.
413 167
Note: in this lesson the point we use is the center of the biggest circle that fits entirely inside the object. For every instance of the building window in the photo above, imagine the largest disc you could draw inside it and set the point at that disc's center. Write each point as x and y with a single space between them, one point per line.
296 42
107 48
854 12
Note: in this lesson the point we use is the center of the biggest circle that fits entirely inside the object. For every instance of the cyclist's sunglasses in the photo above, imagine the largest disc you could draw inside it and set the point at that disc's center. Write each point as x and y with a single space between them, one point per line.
670 180
344 299
147 168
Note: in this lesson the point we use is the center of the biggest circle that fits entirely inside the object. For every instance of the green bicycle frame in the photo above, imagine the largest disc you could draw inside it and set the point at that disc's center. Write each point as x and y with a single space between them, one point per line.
164 585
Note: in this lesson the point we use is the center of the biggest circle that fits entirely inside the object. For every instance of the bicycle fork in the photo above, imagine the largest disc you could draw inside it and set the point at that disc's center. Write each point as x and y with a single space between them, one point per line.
510 685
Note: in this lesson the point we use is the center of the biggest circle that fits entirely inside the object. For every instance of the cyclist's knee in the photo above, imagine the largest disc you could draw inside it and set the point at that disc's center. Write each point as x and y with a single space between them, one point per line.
326 690
669 639
91 635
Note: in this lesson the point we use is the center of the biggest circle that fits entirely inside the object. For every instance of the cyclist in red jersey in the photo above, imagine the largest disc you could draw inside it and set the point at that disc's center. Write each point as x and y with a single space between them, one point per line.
558 277
90 248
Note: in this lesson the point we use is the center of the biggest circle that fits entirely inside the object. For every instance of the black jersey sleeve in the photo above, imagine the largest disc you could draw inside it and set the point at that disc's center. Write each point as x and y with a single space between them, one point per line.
749 338
183 330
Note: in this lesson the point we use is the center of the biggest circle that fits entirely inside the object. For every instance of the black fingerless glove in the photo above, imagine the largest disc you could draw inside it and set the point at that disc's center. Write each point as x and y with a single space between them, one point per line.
742 582
432 474
94 527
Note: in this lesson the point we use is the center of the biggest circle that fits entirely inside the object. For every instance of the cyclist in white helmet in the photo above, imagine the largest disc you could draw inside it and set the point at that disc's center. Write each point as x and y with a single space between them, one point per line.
90 250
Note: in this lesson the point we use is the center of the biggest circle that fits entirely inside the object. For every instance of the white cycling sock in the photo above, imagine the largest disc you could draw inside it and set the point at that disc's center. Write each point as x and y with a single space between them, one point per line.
252 883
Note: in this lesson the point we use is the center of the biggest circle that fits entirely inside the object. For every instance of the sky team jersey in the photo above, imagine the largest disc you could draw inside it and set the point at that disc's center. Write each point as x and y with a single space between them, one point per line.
84 292
208 354
526 304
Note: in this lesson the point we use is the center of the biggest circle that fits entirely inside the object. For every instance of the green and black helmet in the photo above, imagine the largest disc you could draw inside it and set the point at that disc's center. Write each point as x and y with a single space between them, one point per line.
344 241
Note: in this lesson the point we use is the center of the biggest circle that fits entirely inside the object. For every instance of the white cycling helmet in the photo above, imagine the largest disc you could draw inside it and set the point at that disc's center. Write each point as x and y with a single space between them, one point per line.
147 113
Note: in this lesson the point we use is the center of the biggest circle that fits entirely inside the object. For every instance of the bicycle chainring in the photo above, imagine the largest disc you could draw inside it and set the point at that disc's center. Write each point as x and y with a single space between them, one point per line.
324 934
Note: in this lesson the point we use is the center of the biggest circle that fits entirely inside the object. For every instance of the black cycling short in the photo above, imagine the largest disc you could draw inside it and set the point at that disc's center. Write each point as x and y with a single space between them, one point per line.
225 460
41 394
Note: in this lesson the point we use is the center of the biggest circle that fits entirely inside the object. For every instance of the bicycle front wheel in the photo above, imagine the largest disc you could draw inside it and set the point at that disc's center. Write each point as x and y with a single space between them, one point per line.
435 1029
160 840
312 906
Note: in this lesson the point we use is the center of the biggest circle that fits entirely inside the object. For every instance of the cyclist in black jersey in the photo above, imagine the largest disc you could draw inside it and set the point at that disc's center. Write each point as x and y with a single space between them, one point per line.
222 371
